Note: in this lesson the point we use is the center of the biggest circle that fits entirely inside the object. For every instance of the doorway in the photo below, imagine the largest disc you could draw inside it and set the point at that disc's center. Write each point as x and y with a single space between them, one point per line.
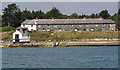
16 38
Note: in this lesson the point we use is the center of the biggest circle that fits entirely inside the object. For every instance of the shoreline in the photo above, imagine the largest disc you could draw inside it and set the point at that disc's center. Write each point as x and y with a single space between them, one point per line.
62 44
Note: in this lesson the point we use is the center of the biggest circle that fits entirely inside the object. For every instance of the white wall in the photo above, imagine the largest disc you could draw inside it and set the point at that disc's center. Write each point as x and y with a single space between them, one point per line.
30 28
17 32
22 38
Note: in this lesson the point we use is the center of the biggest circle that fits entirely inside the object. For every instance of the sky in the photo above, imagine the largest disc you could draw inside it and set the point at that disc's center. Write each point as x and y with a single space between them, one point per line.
60 0
68 7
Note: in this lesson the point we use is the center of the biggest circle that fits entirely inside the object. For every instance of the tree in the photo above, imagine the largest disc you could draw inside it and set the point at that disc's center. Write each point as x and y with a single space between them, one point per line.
40 14
93 16
74 15
9 14
116 18
26 14
104 14
119 11
54 13
0 21
19 18
64 17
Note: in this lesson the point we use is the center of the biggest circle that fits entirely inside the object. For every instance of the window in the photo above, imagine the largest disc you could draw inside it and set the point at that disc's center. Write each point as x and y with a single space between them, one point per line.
112 29
28 35
111 24
48 25
96 25
22 34
39 26
31 25
31 29
76 29
48 29
55 26
104 24
16 36
60 29
43 29
92 29
87 25
23 25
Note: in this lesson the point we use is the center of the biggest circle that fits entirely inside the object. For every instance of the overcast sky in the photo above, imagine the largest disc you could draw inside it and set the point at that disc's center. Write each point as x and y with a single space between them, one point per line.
60 0
66 6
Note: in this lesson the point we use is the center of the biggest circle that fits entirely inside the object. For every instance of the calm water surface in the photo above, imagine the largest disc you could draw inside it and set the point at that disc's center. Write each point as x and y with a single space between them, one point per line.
61 57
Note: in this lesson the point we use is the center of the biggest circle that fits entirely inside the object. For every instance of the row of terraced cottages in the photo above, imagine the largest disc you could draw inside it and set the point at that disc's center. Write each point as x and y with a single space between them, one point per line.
69 24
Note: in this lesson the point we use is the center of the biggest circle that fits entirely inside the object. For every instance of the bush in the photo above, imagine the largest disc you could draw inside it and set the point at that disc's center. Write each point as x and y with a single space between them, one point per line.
99 30
6 29
46 35
83 29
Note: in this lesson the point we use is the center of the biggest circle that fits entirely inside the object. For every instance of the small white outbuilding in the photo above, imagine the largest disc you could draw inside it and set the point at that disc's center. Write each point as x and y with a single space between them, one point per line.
21 35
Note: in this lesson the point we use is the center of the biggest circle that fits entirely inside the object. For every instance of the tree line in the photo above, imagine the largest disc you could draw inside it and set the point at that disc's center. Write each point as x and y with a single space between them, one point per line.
13 16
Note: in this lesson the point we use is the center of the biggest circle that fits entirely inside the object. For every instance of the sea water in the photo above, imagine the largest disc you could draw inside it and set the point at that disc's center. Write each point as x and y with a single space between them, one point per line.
60 57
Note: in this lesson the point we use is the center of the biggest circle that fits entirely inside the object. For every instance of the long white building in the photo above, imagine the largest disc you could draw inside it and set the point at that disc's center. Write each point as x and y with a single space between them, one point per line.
70 24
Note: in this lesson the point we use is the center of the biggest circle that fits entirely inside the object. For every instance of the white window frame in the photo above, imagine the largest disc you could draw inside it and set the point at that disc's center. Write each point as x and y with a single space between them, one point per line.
112 29
96 25
48 29
39 25
76 29
43 29
59 29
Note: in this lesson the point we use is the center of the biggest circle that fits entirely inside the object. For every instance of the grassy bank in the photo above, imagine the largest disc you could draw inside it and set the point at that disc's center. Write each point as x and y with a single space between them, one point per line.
64 35
7 29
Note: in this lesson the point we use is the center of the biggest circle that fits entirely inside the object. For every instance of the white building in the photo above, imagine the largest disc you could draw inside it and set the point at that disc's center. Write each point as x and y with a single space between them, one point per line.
31 25
21 35
86 24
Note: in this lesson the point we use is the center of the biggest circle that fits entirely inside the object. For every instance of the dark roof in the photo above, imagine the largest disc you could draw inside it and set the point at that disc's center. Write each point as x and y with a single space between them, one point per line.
67 21
22 31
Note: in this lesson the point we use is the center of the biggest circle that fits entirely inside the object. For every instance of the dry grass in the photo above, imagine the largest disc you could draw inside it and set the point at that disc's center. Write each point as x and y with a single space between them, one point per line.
7 36
86 35
65 35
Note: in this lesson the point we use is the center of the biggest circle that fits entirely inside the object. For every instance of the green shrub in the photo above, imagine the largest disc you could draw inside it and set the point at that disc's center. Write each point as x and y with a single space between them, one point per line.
83 29
46 35
6 29
99 30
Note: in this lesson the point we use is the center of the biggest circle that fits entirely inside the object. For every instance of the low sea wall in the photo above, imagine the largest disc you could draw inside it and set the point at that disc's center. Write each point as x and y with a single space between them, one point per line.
63 44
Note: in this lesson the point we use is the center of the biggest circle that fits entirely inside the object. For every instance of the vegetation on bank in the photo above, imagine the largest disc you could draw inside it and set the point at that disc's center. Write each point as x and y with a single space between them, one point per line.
64 35
6 29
